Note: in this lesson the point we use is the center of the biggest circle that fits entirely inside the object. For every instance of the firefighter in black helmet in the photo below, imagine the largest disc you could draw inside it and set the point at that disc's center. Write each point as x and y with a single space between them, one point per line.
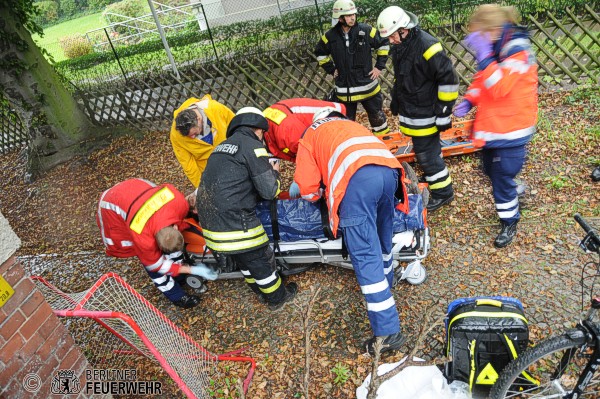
238 174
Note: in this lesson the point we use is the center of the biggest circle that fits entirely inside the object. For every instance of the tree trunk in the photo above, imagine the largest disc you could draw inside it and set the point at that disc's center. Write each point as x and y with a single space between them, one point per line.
58 128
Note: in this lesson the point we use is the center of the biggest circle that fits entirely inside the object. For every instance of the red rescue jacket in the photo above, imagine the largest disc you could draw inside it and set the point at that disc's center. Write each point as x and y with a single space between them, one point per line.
132 212
288 119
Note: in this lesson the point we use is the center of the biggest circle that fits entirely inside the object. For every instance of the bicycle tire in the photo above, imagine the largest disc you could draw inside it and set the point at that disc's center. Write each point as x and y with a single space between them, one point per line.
542 363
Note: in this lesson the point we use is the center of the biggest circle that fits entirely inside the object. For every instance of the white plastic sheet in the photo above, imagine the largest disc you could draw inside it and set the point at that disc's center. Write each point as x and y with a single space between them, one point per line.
426 382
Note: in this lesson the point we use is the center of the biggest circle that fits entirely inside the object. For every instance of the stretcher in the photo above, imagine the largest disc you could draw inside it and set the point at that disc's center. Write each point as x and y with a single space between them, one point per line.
295 253
454 141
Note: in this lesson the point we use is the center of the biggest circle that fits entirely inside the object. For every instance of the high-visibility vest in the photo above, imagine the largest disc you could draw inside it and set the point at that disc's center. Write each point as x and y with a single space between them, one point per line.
331 151
132 212
506 98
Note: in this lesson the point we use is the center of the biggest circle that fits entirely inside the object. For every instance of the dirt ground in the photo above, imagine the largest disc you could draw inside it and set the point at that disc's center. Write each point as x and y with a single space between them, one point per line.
54 217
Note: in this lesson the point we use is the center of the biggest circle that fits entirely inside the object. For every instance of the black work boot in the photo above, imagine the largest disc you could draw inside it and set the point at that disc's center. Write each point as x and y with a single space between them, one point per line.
390 343
596 174
290 292
436 203
187 301
506 235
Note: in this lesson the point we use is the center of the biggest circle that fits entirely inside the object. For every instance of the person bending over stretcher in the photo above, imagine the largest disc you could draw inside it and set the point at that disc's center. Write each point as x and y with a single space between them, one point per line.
138 218
288 119
360 176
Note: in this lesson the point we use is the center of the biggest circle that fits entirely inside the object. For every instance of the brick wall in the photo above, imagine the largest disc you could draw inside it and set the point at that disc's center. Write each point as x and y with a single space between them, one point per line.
34 343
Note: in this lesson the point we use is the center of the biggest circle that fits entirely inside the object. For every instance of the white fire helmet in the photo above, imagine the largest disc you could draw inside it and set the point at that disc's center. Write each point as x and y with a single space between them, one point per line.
393 18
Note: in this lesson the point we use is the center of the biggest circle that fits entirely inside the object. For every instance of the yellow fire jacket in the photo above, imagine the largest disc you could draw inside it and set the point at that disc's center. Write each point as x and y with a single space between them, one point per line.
192 153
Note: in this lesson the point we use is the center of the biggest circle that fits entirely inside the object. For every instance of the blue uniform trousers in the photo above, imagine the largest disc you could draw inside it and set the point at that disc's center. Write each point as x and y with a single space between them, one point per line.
502 165
168 285
366 219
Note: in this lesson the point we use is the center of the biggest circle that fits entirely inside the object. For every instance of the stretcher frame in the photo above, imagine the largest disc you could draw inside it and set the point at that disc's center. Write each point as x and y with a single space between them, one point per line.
455 141
311 252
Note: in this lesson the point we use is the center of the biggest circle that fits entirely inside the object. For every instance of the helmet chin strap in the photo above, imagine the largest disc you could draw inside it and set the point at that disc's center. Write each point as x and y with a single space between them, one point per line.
411 33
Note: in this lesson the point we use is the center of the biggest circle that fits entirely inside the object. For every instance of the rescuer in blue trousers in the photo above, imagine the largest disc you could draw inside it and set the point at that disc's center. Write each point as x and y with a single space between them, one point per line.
502 165
366 219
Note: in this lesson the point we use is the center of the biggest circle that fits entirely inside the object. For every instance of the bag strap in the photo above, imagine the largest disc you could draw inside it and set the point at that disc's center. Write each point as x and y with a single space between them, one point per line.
275 225
325 219
513 352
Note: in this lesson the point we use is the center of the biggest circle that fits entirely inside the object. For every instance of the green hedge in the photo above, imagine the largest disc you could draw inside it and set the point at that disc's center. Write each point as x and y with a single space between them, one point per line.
303 26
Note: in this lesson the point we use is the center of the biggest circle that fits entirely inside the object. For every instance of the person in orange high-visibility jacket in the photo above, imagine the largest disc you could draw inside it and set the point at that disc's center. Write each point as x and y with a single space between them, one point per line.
504 89
360 177
199 125
288 119
138 218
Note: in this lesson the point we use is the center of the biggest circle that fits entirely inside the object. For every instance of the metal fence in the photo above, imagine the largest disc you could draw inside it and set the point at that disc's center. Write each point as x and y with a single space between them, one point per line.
567 51
247 63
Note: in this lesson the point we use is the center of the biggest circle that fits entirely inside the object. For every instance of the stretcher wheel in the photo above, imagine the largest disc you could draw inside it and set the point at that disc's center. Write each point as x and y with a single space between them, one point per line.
415 273
420 280
196 283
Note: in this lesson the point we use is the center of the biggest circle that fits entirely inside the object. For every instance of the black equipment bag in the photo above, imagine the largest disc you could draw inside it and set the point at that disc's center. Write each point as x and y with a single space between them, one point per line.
483 334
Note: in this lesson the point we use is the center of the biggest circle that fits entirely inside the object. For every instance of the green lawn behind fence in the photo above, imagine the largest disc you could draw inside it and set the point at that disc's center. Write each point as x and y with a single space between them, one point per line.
54 33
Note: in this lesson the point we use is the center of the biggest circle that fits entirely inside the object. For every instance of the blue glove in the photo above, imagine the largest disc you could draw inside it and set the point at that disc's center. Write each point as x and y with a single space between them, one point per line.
481 44
463 108
294 190
200 269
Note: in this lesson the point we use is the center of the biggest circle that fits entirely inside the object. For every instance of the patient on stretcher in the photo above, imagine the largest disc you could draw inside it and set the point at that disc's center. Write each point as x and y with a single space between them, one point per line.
302 220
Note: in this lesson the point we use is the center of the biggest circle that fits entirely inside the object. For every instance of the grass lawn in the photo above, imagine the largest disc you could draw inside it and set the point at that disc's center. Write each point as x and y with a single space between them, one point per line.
53 34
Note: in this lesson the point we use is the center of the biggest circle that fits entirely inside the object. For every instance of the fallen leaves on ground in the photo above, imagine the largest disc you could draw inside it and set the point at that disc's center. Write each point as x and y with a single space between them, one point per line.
56 215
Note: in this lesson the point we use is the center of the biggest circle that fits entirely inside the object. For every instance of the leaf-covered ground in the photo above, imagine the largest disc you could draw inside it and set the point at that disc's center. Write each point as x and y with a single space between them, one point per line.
55 216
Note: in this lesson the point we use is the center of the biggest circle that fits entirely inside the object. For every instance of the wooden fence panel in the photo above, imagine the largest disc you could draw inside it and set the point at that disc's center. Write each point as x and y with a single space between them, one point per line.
12 131
567 48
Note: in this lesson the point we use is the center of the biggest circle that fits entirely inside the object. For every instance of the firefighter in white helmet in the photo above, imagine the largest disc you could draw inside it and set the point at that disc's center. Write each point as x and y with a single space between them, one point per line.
344 51
425 89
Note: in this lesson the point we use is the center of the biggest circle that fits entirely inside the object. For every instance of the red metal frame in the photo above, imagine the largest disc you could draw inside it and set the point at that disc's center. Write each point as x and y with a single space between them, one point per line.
79 311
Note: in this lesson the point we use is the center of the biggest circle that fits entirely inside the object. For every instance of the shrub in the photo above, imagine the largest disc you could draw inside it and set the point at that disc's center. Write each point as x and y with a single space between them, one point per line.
130 8
75 46
99 4
48 12
67 8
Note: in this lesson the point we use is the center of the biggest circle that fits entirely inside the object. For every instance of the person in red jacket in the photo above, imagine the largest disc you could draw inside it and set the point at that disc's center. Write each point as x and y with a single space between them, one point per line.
360 178
504 89
288 119
138 218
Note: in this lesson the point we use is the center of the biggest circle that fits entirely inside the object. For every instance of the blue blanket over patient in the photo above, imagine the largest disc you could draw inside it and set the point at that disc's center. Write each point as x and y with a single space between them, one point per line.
301 220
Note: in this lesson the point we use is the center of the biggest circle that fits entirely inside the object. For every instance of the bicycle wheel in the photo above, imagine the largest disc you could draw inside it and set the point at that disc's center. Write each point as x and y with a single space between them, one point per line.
548 370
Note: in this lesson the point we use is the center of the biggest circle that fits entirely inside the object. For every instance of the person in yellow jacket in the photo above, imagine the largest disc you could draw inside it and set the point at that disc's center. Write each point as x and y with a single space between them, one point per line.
199 125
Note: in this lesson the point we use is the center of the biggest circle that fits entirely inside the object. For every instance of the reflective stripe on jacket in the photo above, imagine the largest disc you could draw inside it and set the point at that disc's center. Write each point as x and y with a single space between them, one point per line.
237 176
354 62
193 153
132 212
330 152
505 94
288 119
425 86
